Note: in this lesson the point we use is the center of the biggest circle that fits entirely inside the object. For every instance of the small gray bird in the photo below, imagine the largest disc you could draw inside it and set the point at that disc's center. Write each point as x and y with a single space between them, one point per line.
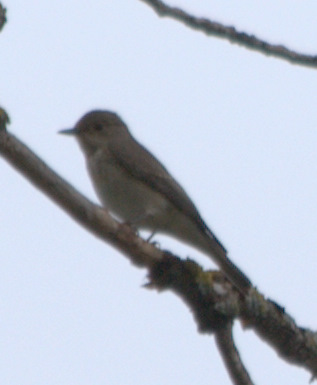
138 189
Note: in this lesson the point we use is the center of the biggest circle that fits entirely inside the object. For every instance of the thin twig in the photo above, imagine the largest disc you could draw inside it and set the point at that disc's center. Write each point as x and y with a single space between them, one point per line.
232 35
231 356
3 17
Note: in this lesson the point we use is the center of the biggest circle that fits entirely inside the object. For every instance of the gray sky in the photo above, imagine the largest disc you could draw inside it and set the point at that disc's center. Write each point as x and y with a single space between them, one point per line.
237 129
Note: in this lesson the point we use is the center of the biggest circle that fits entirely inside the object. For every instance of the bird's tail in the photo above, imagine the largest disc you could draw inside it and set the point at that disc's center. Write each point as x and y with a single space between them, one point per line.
220 256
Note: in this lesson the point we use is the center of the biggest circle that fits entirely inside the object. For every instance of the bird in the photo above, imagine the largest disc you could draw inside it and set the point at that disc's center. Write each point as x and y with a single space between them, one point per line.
137 189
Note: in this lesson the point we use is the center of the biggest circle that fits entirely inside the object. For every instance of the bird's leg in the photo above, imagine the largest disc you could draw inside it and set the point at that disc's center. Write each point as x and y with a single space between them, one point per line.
153 232
136 224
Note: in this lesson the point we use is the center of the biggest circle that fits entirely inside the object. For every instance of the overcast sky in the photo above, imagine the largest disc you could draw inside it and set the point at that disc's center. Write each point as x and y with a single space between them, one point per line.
236 128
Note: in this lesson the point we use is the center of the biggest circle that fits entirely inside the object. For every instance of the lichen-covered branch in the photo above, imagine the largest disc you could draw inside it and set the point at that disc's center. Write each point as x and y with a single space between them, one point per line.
213 303
270 321
230 33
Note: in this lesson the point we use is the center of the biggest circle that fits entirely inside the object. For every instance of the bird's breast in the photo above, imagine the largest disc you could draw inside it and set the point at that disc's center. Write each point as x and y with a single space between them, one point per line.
124 195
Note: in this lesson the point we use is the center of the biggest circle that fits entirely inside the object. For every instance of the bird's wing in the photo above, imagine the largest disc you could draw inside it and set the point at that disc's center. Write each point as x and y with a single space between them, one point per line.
135 160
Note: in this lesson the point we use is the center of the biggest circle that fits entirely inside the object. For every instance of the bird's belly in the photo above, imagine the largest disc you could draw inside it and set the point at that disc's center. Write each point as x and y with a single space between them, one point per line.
128 198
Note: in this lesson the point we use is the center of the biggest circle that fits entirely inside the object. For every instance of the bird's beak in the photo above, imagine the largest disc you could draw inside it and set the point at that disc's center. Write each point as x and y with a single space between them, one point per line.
68 131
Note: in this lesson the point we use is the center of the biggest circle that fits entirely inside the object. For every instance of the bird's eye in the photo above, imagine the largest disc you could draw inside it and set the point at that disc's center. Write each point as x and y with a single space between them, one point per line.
98 127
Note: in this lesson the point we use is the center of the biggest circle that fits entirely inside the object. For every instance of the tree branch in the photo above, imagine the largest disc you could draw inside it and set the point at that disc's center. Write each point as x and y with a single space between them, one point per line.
271 322
213 303
212 28
231 356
